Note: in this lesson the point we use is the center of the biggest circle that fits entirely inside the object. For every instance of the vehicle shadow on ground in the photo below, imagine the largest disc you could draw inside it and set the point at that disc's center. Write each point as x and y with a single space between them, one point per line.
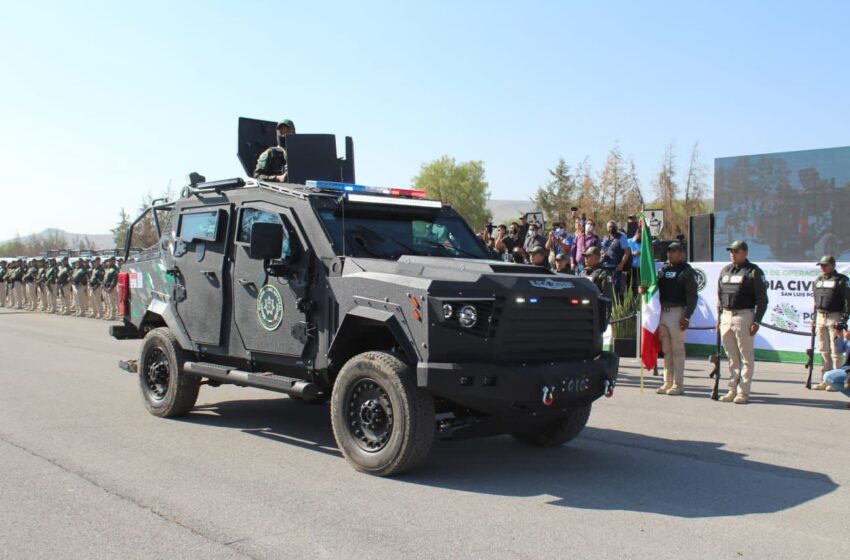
281 420
601 470
615 470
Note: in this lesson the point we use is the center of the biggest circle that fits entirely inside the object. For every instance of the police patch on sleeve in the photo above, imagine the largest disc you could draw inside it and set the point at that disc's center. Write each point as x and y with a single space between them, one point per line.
269 307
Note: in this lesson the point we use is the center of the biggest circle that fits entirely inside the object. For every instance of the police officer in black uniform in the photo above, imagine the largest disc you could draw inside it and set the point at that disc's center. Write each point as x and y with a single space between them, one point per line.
742 302
593 270
271 165
832 307
677 289
537 256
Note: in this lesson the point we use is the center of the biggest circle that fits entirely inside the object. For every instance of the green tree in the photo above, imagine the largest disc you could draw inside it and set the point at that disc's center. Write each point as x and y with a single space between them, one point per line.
559 194
119 232
460 184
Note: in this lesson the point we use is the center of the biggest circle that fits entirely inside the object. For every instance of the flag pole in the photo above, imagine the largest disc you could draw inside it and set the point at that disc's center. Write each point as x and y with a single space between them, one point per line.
640 349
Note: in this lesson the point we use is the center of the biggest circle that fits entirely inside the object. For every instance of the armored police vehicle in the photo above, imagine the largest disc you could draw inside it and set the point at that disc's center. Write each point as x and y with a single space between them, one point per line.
376 299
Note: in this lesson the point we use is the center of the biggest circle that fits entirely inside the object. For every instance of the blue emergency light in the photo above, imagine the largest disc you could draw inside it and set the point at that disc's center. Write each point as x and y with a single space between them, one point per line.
353 188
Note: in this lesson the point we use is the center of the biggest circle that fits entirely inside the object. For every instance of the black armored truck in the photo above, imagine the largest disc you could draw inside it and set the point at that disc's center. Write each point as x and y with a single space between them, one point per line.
376 299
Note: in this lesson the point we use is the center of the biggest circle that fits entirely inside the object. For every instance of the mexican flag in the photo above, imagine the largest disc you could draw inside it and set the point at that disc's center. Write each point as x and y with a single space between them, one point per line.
651 303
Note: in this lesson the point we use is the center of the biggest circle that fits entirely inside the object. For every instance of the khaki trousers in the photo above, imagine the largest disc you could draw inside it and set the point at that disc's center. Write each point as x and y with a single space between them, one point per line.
825 334
111 304
81 299
29 287
735 333
49 299
18 295
95 305
63 306
673 344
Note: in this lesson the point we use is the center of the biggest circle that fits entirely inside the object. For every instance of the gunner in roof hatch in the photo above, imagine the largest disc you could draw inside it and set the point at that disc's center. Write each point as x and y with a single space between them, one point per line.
271 165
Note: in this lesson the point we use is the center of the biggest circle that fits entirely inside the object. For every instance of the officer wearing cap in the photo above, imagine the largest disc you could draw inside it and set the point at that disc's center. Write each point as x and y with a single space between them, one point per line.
271 165
832 306
593 270
562 263
742 302
537 256
677 289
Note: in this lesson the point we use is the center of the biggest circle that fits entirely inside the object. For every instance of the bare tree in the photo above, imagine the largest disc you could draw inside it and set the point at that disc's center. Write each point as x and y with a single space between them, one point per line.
695 185
666 191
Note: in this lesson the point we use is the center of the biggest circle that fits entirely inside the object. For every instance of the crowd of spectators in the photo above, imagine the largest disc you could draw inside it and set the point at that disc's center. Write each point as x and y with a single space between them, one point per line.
564 247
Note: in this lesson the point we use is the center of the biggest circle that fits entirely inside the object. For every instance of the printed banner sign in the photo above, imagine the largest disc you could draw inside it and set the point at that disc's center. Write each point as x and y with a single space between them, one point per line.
790 307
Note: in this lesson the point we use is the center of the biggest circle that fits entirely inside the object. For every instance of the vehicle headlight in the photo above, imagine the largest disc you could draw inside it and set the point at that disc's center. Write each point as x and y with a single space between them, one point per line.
448 311
467 316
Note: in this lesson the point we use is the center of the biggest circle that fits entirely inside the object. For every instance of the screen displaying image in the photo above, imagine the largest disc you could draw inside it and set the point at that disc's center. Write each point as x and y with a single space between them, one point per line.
789 207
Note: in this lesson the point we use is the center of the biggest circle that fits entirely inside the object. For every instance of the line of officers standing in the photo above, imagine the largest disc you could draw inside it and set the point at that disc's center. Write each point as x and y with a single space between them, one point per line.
742 303
86 288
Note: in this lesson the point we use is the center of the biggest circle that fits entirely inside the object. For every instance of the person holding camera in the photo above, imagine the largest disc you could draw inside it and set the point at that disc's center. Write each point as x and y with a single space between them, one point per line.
839 379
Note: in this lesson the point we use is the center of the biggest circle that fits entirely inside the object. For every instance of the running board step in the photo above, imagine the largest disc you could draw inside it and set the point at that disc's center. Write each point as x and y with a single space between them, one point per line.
270 381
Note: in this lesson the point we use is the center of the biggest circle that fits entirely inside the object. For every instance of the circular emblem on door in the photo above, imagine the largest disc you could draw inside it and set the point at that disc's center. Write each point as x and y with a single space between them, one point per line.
269 308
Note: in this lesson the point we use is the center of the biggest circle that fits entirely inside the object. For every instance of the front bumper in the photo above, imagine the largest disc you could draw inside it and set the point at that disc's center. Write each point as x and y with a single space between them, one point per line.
495 388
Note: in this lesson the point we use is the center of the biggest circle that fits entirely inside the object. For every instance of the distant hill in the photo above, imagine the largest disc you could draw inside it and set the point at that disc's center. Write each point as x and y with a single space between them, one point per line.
72 240
505 211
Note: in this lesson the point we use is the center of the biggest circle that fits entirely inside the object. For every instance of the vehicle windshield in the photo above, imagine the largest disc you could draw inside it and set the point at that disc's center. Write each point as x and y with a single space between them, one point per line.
386 235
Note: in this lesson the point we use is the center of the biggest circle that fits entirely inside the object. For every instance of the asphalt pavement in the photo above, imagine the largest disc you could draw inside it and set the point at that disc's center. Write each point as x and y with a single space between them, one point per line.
86 472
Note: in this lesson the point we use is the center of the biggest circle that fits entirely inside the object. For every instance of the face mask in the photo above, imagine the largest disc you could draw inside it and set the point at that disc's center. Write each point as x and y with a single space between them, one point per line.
588 228
281 139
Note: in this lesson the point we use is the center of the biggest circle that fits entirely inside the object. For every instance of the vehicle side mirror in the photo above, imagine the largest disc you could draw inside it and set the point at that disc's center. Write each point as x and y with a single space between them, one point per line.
266 241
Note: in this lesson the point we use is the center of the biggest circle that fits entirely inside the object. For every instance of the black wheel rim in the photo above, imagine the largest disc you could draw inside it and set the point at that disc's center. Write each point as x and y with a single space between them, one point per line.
369 415
156 374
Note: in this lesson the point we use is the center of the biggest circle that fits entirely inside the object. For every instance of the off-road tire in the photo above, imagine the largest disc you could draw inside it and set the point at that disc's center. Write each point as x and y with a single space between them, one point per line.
411 410
182 390
559 431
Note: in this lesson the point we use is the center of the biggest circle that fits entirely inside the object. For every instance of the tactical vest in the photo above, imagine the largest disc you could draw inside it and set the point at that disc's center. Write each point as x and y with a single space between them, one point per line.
109 278
615 250
830 293
736 288
96 277
64 273
671 284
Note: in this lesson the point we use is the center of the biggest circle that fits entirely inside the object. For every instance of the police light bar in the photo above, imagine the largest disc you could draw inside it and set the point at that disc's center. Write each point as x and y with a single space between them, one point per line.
352 188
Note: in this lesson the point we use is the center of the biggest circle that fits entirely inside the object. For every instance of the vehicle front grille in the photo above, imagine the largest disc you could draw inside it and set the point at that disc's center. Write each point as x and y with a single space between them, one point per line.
553 329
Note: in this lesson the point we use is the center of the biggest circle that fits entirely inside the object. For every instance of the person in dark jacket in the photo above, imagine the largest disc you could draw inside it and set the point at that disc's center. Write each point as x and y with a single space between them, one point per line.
742 302
677 289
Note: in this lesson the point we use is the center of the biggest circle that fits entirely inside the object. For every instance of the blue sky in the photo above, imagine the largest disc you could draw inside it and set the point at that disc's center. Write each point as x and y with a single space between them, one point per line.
104 102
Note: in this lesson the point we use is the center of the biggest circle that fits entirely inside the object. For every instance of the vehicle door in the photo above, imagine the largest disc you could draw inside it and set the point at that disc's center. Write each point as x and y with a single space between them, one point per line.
199 261
269 311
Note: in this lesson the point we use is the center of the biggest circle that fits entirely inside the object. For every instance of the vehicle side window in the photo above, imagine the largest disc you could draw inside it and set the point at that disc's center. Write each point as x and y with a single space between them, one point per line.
251 216
199 225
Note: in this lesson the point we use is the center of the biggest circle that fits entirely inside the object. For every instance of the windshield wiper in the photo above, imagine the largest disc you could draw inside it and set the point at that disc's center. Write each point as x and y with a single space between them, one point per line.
439 245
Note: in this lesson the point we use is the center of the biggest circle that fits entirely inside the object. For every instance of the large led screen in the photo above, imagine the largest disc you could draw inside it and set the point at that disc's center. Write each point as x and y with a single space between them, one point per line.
789 207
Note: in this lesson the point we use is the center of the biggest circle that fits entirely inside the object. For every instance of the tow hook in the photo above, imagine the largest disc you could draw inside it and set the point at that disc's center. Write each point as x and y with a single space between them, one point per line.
608 388
548 395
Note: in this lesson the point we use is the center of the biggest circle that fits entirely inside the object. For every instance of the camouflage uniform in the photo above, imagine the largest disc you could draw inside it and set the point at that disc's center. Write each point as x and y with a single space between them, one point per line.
272 163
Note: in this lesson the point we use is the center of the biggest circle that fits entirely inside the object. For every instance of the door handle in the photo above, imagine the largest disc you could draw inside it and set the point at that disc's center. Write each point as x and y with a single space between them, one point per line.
245 282
208 273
